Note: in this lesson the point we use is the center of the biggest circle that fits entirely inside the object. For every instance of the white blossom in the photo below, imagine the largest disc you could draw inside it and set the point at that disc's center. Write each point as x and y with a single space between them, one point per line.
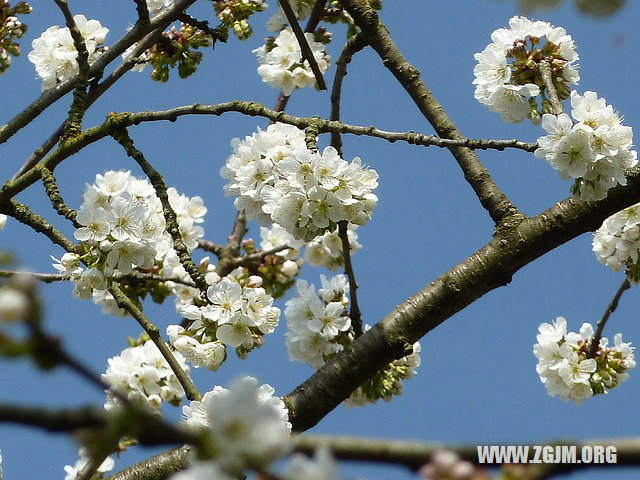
595 151
248 425
143 375
322 467
281 64
277 179
567 370
508 66
55 56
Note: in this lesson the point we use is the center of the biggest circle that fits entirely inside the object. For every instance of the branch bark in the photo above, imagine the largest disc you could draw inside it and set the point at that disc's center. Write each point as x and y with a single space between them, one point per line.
491 197
490 267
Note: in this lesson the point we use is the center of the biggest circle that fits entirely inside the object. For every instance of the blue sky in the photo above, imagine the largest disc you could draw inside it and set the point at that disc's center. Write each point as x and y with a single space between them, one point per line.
477 383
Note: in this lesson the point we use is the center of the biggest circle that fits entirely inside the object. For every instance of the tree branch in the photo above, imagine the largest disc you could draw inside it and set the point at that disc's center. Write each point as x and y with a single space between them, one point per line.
490 267
123 138
491 197
154 334
95 91
356 317
124 120
51 95
209 246
353 46
545 73
24 215
410 454
595 343
307 54
50 186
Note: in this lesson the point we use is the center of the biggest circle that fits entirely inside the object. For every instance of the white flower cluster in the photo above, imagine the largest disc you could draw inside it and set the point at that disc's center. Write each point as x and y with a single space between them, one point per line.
277 179
55 56
566 370
248 424
3 221
72 473
507 68
281 64
318 324
236 315
278 21
144 376
326 250
249 428
617 242
123 225
595 151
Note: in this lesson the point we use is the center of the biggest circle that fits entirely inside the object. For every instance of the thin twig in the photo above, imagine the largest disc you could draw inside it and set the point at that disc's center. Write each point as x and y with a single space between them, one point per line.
595 343
73 124
356 317
50 186
154 431
547 78
312 23
257 257
307 54
24 215
209 246
125 303
118 277
315 16
353 45
218 34
41 277
159 185
124 120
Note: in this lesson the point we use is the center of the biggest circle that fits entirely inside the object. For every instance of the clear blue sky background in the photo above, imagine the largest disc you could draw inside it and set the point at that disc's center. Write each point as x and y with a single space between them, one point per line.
477 383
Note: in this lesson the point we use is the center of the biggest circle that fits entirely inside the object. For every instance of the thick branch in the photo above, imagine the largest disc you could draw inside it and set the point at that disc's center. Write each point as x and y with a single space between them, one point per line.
490 267
377 35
